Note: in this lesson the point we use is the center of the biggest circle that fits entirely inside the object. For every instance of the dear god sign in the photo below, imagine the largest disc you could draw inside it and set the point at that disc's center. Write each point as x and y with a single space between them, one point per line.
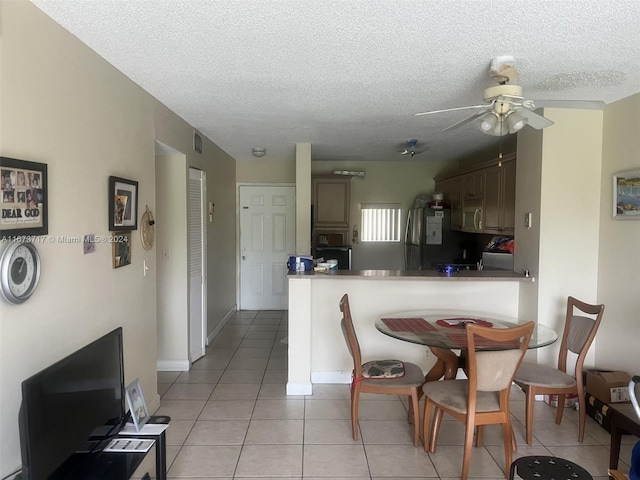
20 213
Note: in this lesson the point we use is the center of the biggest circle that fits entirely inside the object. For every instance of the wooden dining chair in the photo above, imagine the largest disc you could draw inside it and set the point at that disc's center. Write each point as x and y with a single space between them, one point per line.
534 379
389 377
482 398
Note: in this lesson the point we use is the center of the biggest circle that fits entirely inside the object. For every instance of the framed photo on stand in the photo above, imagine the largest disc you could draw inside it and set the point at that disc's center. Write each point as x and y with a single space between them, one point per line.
137 405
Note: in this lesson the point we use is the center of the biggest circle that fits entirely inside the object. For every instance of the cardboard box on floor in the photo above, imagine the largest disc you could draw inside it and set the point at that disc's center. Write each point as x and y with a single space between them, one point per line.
608 386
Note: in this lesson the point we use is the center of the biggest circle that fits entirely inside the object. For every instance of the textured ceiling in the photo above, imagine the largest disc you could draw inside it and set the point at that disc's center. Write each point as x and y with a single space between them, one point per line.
346 75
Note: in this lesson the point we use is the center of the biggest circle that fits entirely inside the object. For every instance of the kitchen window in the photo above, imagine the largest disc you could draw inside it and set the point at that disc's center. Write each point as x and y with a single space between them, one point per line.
381 222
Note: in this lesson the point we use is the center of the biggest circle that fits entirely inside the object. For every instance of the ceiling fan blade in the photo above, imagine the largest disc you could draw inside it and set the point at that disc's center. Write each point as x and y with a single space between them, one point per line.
535 120
450 110
466 120
580 104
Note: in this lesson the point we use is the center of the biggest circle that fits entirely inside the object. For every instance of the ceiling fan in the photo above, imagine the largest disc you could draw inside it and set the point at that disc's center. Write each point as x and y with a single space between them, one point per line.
505 110
411 148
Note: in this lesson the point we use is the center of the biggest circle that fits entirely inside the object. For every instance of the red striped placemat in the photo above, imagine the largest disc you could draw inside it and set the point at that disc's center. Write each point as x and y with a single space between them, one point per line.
414 325
460 340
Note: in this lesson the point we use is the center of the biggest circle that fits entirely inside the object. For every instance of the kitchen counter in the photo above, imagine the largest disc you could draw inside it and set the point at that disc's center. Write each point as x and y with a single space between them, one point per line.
317 350
462 275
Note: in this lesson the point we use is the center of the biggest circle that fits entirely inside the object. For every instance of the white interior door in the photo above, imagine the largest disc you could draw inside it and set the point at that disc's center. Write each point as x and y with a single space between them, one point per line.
197 263
267 238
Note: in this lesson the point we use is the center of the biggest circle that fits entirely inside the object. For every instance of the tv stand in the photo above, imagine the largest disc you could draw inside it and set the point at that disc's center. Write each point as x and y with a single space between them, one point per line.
114 465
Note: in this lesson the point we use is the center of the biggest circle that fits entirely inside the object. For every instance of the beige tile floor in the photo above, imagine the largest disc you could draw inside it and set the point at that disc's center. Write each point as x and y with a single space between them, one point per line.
231 419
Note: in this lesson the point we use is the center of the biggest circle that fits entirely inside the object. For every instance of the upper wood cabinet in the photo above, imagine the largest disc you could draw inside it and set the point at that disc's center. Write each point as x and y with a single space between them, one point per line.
473 185
488 193
500 198
331 201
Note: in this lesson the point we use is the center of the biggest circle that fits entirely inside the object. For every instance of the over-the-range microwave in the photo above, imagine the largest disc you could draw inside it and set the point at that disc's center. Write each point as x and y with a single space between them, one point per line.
472 218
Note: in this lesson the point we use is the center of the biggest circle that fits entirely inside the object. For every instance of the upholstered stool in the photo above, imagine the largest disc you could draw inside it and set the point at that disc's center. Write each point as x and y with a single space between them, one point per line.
541 467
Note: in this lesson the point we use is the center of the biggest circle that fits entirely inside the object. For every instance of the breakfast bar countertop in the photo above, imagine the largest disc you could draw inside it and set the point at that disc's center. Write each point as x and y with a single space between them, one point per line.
462 275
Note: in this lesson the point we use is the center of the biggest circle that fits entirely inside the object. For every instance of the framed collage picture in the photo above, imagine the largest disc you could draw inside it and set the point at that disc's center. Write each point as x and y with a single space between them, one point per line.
24 198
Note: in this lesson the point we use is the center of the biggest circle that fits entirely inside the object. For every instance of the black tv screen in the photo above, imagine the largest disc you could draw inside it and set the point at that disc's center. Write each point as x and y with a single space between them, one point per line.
74 406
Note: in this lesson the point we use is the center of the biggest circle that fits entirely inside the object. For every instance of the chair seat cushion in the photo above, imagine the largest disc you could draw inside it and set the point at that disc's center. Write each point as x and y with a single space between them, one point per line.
413 376
454 394
543 376
383 369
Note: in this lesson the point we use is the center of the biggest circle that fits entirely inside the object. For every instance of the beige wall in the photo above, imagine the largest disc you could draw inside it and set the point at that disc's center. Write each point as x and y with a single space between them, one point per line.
65 106
266 170
618 340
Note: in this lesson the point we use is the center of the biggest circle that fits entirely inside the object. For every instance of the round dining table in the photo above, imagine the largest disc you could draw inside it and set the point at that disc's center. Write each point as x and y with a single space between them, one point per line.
445 333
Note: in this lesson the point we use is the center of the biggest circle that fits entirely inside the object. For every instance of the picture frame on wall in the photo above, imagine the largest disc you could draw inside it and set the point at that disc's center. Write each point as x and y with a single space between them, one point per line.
23 201
121 242
123 204
137 406
626 195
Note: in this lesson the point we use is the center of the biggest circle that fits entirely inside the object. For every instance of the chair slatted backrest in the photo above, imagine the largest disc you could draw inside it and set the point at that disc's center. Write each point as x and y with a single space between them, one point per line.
493 370
350 337
579 331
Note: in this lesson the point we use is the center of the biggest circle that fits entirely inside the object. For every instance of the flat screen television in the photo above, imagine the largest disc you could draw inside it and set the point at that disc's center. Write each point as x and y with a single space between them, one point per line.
74 406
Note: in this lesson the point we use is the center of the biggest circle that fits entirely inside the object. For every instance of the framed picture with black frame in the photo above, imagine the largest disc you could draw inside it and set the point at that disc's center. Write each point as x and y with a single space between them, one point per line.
24 198
123 204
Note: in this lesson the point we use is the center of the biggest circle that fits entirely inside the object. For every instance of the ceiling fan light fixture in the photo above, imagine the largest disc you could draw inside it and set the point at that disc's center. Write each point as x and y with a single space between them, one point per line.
488 122
515 121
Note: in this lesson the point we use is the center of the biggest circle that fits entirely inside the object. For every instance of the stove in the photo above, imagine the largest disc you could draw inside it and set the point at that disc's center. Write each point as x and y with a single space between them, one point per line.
456 267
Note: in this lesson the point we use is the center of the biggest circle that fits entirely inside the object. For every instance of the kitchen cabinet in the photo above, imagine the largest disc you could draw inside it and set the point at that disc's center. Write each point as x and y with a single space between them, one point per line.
482 199
331 204
451 188
500 198
331 201
473 185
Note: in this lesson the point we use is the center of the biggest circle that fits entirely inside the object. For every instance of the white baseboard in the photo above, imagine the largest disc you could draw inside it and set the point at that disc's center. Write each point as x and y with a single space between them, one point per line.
339 376
173 365
299 388
221 325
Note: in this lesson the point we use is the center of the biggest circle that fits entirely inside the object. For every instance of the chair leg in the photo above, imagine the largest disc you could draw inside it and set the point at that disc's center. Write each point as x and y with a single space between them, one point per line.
508 438
582 416
435 428
425 423
529 405
468 444
415 410
560 409
355 400
479 436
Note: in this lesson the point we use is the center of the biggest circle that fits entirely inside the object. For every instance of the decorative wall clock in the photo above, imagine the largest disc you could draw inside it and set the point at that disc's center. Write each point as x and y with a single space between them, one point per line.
19 271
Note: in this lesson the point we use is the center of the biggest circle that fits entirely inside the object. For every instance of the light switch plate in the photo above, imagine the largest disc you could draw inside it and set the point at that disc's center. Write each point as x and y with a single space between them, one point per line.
527 220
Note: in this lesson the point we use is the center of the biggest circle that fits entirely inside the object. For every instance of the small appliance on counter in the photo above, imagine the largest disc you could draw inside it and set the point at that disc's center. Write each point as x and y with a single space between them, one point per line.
498 254
497 261
340 253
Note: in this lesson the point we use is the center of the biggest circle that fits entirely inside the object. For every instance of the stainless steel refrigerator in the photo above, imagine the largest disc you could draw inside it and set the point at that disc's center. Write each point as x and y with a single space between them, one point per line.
429 240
